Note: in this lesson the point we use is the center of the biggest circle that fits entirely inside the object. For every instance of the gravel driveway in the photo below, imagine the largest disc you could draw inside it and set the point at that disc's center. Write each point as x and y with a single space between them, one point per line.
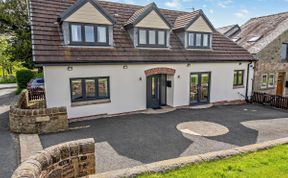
132 140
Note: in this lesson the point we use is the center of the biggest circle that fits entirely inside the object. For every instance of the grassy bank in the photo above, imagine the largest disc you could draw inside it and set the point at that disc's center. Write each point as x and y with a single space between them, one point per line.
266 163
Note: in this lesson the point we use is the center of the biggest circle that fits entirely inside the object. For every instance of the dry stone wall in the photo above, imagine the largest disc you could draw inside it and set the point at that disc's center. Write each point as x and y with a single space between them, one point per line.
66 160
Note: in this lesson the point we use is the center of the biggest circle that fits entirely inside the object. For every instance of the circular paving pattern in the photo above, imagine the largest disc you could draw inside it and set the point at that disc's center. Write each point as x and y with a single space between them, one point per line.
202 128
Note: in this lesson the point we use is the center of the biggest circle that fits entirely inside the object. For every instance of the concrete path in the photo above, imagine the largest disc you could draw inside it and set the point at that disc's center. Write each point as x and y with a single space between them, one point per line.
30 144
8 141
132 140
8 86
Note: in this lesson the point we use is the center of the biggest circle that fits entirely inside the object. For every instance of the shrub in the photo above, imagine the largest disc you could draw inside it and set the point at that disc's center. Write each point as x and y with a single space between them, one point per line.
39 75
23 77
9 79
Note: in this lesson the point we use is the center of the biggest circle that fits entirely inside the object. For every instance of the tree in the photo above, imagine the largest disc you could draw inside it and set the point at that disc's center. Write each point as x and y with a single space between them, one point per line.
15 25
5 63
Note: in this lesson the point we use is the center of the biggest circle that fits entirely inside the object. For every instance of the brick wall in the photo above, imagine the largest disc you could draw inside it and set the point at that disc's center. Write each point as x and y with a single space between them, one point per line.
160 70
66 160
269 62
29 121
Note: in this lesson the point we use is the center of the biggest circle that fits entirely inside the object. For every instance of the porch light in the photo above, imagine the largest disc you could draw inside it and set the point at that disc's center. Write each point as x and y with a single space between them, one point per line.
188 65
69 68
125 67
140 78
178 76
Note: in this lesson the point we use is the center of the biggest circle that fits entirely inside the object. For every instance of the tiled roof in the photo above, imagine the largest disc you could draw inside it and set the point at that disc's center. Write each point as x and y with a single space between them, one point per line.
183 20
266 28
47 39
224 30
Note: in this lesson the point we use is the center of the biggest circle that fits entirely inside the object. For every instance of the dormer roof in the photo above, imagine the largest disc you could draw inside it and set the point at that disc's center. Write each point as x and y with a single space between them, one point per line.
143 12
185 21
85 4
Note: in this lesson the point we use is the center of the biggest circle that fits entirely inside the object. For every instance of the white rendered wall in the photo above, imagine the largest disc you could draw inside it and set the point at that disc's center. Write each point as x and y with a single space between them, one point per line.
128 92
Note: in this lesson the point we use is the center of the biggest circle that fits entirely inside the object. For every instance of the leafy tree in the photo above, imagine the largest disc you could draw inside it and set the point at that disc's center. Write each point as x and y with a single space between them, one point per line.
5 63
15 25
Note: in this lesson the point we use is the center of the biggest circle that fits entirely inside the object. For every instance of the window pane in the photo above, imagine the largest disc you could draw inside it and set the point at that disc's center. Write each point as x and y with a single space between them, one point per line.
235 78
103 87
142 37
89 34
240 78
264 81
191 39
198 39
205 40
161 37
76 89
76 33
271 80
101 34
152 37
90 88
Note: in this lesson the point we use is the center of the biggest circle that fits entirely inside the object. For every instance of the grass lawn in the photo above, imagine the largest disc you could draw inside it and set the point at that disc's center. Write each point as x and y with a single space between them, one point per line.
267 163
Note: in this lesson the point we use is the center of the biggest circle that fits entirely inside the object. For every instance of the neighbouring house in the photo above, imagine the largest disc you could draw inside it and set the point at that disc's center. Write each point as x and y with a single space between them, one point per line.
103 57
267 39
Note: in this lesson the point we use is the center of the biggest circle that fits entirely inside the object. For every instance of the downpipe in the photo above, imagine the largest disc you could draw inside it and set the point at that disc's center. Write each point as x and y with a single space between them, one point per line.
247 82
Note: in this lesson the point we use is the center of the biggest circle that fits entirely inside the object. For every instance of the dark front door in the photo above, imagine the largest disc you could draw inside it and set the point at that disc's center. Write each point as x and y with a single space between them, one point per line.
199 88
156 91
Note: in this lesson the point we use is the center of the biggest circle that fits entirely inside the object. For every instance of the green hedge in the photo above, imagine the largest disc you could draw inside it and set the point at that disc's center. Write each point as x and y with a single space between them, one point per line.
23 77
9 79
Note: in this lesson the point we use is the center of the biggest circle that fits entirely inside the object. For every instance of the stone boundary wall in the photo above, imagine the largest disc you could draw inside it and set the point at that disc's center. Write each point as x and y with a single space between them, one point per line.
32 121
66 160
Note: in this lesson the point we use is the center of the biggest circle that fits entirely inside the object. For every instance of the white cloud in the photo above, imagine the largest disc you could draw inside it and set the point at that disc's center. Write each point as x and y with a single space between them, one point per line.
174 4
211 11
242 14
224 3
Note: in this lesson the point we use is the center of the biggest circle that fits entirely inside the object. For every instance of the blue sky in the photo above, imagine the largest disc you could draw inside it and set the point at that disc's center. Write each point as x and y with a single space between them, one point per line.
222 12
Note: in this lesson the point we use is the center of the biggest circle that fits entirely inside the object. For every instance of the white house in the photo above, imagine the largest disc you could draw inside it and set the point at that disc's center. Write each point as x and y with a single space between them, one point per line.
103 57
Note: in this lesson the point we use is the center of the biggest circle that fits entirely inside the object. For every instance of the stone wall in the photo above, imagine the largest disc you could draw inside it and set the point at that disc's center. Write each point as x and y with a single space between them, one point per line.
66 160
29 121
269 62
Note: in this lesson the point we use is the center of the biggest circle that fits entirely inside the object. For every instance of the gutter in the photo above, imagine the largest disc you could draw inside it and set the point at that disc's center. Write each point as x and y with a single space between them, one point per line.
247 82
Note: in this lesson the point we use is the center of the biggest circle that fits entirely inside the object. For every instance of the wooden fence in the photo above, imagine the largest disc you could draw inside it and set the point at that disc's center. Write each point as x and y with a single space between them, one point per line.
36 95
271 100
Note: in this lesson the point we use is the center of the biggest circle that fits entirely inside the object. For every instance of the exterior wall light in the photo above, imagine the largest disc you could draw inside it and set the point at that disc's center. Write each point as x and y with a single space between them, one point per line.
188 65
240 63
125 67
69 68
140 78
178 76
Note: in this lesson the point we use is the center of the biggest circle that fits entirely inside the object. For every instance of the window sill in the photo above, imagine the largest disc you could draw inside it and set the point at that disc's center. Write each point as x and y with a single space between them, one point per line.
84 46
269 88
83 103
238 87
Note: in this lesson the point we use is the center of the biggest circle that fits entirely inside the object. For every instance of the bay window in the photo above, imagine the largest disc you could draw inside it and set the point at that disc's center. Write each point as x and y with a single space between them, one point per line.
152 38
85 89
89 34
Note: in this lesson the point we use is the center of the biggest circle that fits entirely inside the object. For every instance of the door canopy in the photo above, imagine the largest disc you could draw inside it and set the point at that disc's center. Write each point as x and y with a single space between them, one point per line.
160 70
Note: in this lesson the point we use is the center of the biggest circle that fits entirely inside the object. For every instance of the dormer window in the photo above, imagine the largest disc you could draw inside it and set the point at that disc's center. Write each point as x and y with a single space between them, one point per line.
152 38
194 30
88 34
148 28
198 40
86 23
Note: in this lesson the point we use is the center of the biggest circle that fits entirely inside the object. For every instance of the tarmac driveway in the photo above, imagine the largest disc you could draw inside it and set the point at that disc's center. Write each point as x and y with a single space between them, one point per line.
126 141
